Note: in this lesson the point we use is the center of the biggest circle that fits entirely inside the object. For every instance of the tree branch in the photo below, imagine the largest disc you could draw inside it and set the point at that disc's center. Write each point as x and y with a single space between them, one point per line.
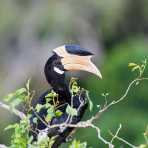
121 139
18 113
116 134
89 122
3 146
107 106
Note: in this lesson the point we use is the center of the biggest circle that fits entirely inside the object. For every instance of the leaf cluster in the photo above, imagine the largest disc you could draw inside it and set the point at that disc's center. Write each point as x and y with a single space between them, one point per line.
21 130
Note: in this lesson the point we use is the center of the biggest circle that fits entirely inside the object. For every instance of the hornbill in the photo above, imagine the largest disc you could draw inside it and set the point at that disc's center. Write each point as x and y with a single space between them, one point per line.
65 58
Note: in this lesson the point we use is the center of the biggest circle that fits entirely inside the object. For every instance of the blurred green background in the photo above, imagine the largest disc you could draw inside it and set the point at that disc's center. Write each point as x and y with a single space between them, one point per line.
115 30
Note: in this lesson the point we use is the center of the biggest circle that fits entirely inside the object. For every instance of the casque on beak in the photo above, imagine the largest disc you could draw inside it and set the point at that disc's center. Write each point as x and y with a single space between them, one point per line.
74 62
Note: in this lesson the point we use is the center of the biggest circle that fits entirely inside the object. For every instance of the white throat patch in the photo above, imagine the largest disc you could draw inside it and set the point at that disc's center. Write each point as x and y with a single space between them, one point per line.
59 71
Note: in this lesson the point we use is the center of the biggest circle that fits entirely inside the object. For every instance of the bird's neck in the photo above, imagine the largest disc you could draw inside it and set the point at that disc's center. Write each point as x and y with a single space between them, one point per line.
61 88
57 81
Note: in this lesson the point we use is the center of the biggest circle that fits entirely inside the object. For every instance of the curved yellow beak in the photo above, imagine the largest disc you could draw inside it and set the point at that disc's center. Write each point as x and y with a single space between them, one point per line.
84 63
72 62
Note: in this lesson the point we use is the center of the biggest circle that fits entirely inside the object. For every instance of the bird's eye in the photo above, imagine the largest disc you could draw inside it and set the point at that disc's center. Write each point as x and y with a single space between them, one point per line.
57 70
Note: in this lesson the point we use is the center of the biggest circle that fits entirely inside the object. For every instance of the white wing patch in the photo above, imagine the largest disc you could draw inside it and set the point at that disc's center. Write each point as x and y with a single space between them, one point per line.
59 71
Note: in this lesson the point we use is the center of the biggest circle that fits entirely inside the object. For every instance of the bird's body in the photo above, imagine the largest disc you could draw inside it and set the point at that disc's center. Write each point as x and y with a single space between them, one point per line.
79 103
68 57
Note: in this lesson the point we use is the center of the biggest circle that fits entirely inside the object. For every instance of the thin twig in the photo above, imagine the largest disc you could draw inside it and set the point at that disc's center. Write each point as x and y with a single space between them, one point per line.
3 146
110 145
18 113
116 134
126 142
121 139
44 122
118 100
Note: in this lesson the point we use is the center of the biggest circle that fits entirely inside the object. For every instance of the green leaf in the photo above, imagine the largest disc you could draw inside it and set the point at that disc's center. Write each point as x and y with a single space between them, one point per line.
71 111
50 96
35 119
20 91
132 64
75 89
39 107
42 140
58 113
17 97
47 105
74 86
15 102
51 109
77 144
11 126
50 114
48 117
136 67
9 97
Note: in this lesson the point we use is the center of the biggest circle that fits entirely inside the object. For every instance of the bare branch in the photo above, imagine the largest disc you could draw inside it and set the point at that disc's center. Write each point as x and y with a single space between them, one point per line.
110 145
116 134
85 124
120 139
3 146
18 113
124 141
118 100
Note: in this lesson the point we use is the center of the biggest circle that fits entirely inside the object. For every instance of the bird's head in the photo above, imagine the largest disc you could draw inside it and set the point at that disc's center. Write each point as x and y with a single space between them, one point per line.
69 58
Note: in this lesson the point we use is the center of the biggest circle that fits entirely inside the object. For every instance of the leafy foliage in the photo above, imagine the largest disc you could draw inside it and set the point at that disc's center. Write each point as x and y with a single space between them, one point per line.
140 68
78 144
17 97
71 111
21 136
